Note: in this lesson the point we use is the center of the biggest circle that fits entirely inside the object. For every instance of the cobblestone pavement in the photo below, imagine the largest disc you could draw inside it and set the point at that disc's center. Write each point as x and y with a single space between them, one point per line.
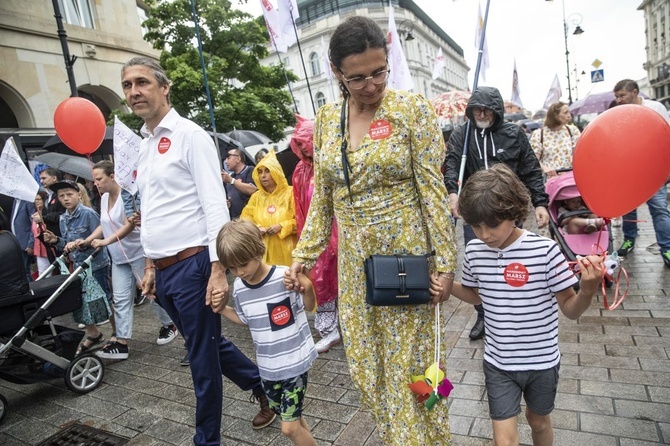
614 388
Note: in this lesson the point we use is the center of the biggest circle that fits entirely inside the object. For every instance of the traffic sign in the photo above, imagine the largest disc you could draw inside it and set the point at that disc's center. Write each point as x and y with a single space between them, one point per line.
596 64
597 76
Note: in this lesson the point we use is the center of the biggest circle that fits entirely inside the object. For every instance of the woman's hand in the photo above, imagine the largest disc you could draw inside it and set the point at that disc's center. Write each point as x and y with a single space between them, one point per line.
71 246
36 217
440 287
49 237
291 280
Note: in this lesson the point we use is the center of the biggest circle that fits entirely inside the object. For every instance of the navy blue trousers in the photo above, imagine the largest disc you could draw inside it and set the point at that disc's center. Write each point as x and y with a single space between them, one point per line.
181 290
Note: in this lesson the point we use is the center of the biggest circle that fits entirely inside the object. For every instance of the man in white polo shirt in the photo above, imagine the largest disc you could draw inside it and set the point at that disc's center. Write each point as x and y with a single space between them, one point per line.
182 212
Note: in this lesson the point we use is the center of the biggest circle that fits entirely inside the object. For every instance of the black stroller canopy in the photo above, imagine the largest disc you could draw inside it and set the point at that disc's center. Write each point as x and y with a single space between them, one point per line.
13 279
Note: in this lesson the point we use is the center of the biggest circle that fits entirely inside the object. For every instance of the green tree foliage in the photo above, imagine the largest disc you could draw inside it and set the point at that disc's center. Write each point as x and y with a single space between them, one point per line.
245 94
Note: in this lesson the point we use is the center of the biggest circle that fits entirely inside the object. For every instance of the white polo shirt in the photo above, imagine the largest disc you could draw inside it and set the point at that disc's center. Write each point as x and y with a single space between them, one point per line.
179 181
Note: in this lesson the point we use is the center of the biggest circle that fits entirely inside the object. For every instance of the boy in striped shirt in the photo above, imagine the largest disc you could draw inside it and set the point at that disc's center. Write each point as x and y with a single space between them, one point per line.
277 321
522 279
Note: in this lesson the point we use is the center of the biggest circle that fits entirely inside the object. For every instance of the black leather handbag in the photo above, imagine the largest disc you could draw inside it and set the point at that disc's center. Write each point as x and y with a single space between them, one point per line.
397 280
391 279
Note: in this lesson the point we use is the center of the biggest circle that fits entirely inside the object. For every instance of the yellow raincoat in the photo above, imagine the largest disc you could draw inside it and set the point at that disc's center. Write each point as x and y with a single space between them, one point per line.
268 209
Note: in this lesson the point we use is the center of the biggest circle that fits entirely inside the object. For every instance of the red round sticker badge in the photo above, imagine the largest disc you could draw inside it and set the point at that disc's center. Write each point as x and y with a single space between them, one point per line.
516 275
164 145
380 129
272 209
280 315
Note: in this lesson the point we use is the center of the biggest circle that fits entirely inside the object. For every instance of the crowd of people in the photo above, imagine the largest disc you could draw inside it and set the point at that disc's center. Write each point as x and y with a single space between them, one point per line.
375 177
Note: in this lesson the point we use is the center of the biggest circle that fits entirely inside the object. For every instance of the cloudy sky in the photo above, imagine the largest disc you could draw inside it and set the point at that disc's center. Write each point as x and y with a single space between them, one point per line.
532 32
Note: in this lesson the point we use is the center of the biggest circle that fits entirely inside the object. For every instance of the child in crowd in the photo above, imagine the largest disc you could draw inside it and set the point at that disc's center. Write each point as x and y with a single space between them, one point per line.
77 222
585 223
276 317
40 250
519 277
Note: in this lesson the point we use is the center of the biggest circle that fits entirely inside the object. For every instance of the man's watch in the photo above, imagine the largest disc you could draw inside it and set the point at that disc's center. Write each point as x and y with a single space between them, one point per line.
232 181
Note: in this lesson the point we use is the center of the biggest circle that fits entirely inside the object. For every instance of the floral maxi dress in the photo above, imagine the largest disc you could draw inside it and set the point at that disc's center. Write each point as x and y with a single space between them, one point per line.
401 154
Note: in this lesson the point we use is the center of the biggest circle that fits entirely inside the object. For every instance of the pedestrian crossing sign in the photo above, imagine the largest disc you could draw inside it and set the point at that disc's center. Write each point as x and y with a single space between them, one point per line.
597 76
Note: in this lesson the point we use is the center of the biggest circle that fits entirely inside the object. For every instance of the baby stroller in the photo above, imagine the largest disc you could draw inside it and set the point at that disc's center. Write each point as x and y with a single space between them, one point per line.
563 187
32 347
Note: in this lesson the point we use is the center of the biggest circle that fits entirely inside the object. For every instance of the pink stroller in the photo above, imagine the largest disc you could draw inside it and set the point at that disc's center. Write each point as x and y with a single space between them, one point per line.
563 187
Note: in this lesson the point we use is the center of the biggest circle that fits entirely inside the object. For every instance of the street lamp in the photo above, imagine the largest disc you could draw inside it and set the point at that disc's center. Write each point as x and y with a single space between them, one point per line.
575 20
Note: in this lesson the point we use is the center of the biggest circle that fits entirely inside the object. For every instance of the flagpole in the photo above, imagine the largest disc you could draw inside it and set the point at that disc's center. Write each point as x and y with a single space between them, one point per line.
204 73
461 171
288 83
304 68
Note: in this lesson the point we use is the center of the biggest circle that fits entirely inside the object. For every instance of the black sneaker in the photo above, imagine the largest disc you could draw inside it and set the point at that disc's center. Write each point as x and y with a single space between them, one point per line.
139 298
185 361
626 247
167 334
115 350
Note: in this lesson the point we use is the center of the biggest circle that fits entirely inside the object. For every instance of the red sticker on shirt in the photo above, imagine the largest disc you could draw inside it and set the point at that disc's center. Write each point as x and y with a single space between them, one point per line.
516 275
272 209
280 315
164 145
380 129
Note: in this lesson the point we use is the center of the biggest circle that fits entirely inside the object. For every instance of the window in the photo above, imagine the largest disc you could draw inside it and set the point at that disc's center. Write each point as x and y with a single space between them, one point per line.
142 13
320 100
315 62
76 12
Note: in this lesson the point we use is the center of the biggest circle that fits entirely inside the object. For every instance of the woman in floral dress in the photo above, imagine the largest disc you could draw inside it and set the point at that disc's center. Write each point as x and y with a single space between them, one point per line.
395 150
554 142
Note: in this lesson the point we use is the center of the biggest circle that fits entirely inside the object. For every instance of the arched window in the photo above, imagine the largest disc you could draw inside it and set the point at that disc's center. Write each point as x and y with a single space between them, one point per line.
320 100
315 61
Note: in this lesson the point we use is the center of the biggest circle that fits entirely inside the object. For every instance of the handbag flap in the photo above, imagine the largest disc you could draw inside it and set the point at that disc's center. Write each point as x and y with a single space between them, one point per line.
385 272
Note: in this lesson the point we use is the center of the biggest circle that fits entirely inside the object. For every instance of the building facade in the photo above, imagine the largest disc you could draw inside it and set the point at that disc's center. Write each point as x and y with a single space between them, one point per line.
420 36
657 30
102 35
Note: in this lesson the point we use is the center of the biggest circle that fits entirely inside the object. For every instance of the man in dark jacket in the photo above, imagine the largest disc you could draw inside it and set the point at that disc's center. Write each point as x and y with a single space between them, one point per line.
491 141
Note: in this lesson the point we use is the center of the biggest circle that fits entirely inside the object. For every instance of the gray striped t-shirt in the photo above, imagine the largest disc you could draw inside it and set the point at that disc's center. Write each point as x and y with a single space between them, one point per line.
278 324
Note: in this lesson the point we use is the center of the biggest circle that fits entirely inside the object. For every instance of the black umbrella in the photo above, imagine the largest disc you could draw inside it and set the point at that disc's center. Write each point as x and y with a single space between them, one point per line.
249 137
54 144
227 143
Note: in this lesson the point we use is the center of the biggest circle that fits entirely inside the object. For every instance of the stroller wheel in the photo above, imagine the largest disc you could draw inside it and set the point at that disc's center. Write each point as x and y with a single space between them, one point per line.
84 373
3 408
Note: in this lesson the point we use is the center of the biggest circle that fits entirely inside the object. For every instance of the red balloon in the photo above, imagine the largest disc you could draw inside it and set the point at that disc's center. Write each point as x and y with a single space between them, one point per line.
622 159
80 125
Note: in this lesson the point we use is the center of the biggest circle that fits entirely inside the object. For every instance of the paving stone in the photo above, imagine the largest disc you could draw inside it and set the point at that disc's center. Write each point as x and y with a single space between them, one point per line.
610 362
606 339
640 377
468 392
613 390
636 352
327 430
655 365
659 394
584 403
636 330
619 426
643 410
563 437
578 372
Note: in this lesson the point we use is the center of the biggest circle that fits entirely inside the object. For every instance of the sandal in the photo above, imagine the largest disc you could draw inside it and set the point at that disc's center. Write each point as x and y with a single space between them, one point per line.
93 340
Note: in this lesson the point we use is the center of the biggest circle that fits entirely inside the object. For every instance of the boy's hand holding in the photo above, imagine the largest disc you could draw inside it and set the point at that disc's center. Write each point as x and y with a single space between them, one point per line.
592 272
219 300
305 283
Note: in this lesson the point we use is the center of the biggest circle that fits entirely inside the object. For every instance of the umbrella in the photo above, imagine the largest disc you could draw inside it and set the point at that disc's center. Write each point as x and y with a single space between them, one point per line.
54 144
75 165
249 137
594 103
450 106
227 143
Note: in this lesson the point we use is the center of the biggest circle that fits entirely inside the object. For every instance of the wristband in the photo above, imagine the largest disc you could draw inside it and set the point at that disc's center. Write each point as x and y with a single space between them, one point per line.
232 181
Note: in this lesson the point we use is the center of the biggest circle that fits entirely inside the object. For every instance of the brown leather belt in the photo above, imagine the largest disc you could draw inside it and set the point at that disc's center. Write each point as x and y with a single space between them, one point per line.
165 262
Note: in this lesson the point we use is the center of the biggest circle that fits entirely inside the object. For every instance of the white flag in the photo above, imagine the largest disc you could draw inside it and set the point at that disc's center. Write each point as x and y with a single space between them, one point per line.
439 64
516 93
400 77
288 13
485 50
325 60
554 94
272 22
15 178
126 156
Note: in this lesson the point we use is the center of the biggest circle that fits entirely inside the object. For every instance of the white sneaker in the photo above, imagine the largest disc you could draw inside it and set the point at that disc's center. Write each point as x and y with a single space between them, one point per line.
328 341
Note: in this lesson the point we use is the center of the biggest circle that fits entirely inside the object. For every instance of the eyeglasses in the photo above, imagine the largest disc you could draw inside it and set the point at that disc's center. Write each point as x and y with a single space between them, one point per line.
481 110
358 83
